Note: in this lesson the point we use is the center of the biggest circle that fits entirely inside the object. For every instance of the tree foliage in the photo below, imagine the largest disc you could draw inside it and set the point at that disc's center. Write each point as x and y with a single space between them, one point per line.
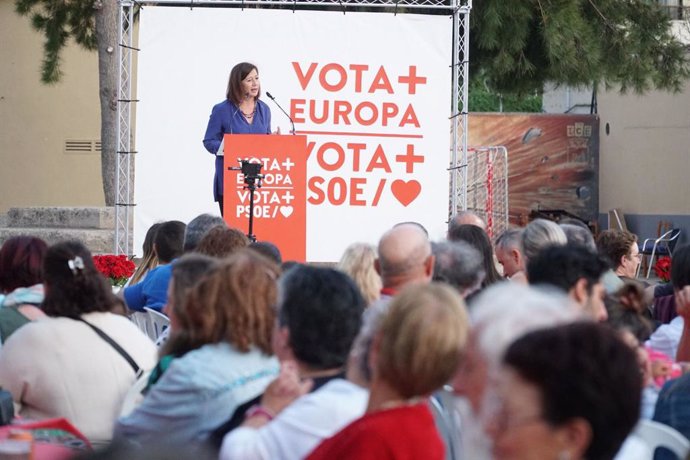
59 21
483 99
518 45
93 25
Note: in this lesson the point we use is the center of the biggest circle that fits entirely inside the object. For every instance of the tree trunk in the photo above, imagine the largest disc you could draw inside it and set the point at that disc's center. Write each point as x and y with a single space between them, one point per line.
107 24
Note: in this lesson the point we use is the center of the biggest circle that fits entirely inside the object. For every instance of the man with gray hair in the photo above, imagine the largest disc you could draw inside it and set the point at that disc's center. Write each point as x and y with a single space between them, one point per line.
541 233
459 265
404 257
197 228
500 314
508 250
577 233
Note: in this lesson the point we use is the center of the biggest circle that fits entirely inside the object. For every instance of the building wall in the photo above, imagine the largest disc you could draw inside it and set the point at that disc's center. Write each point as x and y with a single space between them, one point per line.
644 152
36 119
645 158
565 99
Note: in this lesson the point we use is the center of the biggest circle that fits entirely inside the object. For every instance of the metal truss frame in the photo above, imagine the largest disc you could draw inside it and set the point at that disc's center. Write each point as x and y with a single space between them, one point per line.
459 10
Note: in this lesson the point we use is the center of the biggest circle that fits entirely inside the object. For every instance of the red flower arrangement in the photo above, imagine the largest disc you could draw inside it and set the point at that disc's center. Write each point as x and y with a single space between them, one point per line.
117 269
662 268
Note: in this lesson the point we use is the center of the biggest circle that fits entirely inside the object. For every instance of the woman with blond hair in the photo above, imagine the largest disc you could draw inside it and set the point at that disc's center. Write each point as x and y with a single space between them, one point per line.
221 339
415 352
149 260
358 262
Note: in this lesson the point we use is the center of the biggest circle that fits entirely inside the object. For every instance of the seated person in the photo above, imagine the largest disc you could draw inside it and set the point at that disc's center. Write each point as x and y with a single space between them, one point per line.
319 315
458 264
221 242
148 261
416 351
61 366
620 248
508 250
197 228
673 402
186 272
152 291
673 339
577 271
21 282
626 317
570 391
358 262
221 340
478 239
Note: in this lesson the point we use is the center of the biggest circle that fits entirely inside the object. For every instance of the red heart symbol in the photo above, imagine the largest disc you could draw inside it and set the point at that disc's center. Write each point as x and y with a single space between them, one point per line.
406 192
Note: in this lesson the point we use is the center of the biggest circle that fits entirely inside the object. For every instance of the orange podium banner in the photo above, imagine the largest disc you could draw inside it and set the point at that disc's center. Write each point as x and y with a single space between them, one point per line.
280 214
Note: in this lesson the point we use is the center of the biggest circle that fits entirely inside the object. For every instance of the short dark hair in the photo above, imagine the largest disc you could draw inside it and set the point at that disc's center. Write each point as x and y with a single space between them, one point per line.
322 308
73 290
579 234
21 262
237 74
680 267
582 370
563 266
197 228
478 238
169 240
614 244
267 249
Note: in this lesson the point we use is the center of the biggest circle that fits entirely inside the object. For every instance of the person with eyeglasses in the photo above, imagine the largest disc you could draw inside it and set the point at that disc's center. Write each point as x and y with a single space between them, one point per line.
566 392
620 247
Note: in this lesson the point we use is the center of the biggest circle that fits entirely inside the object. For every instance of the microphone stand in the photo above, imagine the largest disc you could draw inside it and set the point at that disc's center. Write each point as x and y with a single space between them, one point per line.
282 110
252 181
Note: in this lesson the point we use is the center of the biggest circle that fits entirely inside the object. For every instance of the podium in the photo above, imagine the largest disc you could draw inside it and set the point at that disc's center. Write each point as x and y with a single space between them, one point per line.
279 204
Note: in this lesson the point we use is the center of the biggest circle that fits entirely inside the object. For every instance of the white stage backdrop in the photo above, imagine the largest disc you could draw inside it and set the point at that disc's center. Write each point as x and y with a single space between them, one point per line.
372 92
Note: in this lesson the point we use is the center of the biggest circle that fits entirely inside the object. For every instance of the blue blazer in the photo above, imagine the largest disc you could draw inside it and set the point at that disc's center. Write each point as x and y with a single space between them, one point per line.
226 117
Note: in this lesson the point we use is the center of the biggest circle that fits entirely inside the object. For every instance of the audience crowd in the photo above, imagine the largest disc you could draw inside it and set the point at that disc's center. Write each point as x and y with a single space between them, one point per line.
538 344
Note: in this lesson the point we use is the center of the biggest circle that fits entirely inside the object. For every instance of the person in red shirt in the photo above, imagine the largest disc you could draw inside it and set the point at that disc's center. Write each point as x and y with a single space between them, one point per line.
415 352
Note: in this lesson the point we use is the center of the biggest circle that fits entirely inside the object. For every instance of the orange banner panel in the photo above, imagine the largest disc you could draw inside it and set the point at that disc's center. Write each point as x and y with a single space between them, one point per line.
280 214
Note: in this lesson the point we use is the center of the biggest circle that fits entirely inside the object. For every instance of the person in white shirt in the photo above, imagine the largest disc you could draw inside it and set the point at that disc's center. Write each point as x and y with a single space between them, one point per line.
60 366
319 315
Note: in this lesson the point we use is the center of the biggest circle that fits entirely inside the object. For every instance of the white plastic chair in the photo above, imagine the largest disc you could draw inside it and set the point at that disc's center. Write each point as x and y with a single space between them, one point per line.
158 322
663 246
143 321
133 397
657 434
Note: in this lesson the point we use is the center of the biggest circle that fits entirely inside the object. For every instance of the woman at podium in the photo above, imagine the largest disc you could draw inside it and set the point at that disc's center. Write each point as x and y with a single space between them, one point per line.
240 113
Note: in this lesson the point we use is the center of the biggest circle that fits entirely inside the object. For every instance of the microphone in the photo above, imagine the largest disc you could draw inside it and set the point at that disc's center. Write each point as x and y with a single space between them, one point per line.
282 110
